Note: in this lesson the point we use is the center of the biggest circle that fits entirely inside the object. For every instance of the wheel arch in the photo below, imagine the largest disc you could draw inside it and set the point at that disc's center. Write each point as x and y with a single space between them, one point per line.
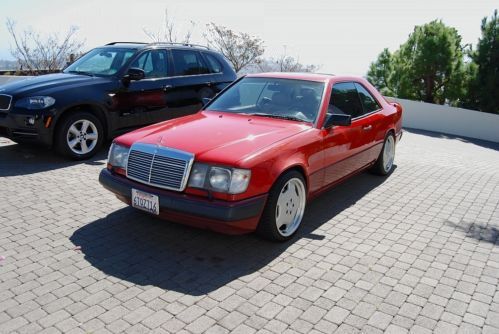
392 131
300 168
94 109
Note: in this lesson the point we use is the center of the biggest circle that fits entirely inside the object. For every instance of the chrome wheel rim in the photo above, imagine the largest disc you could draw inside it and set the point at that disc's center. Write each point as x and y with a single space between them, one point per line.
82 136
388 153
290 207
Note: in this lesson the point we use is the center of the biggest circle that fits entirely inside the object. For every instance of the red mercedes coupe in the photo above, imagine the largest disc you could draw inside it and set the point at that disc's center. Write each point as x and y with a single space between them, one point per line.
254 156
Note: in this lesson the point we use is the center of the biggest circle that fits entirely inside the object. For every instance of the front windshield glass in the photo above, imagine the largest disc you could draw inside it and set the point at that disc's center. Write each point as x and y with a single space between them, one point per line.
101 62
278 98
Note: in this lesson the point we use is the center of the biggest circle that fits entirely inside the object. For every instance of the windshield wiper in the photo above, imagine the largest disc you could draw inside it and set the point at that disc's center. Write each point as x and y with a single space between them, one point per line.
81 72
287 117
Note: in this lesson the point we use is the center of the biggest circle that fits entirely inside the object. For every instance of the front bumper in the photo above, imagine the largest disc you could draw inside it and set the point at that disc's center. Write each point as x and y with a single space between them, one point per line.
16 126
223 216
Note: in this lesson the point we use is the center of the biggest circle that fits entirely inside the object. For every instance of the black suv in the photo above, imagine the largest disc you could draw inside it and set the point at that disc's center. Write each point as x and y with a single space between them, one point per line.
111 90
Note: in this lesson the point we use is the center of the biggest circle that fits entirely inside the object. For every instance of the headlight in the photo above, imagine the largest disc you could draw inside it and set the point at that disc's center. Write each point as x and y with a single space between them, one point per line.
35 102
198 175
219 179
118 156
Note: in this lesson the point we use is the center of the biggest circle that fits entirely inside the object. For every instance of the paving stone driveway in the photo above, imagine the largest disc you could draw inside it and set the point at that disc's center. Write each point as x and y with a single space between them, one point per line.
417 251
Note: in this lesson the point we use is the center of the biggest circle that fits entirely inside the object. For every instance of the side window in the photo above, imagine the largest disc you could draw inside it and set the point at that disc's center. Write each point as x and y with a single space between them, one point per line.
213 63
368 101
345 100
153 63
188 62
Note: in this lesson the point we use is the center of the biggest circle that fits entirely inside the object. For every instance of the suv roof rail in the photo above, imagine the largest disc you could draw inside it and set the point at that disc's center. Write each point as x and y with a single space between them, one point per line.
113 43
181 44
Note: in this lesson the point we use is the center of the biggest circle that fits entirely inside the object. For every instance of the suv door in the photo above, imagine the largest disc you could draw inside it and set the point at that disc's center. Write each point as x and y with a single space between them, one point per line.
143 101
191 81
346 148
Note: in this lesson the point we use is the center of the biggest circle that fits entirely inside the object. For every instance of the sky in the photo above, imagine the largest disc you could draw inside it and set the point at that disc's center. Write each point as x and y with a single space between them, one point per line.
344 37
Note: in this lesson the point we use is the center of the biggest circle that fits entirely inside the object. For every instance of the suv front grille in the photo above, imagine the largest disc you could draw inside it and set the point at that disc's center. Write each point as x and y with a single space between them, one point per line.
158 166
5 101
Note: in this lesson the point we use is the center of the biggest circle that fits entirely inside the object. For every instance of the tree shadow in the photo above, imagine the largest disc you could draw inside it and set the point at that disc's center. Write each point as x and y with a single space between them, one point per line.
133 246
476 231
478 142
24 159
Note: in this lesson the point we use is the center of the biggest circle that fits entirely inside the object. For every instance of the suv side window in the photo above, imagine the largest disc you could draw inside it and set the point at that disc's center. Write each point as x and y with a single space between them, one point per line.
368 101
153 63
188 62
345 100
213 63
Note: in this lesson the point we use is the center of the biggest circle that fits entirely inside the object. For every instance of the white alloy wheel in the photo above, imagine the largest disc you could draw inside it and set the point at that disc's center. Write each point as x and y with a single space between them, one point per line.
82 136
388 153
290 207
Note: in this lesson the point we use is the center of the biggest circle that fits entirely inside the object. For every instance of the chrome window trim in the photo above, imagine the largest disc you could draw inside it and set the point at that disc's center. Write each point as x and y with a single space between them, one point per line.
177 76
10 102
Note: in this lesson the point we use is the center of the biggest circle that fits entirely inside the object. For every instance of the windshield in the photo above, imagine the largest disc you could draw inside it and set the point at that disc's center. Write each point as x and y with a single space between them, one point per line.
278 98
101 62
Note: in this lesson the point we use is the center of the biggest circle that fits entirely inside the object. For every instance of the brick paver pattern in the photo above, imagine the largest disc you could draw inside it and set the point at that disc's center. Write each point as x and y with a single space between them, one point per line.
417 252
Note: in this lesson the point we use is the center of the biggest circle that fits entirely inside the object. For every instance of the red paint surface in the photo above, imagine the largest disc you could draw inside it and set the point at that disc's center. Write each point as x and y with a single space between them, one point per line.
270 146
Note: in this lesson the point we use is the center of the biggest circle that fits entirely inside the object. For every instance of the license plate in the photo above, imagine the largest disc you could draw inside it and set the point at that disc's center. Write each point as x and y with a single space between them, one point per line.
145 201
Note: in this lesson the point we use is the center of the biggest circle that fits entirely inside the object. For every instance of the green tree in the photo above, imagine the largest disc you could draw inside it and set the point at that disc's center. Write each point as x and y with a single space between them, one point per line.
432 61
427 67
486 85
381 72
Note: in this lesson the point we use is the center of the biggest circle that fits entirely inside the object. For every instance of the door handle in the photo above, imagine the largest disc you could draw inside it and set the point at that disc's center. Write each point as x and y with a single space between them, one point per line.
166 87
367 128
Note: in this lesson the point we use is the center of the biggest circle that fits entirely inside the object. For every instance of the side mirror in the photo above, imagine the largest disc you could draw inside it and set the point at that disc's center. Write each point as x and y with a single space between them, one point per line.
337 119
205 100
134 74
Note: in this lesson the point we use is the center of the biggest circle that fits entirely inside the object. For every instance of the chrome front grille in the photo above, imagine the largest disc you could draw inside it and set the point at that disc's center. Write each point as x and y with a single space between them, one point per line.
158 166
5 101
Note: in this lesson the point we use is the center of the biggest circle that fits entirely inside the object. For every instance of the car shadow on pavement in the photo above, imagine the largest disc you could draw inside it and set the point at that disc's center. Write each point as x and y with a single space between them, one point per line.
23 159
477 231
144 250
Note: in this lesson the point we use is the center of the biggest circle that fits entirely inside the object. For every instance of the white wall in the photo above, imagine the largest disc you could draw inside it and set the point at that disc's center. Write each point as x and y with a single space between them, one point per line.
449 120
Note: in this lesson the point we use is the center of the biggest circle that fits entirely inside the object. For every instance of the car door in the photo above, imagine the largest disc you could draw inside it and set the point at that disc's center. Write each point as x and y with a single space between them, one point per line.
373 119
191 82
143 102
346 148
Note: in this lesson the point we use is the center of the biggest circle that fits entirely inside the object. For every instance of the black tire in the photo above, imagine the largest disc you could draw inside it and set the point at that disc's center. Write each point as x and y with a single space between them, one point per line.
62 132
267 227
379 167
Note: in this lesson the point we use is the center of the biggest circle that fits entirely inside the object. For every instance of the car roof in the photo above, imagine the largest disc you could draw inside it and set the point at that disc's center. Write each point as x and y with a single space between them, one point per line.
294 75
141 45
319 77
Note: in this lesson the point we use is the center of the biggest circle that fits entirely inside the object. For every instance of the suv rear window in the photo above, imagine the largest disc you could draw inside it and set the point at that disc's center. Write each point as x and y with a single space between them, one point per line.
213 63
188 63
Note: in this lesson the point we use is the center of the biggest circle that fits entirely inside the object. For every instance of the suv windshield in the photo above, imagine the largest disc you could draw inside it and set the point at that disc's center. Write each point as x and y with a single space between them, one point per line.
271 97
101 61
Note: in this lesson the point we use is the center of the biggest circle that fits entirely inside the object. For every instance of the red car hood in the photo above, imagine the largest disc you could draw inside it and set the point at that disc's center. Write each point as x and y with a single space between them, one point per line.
216 137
